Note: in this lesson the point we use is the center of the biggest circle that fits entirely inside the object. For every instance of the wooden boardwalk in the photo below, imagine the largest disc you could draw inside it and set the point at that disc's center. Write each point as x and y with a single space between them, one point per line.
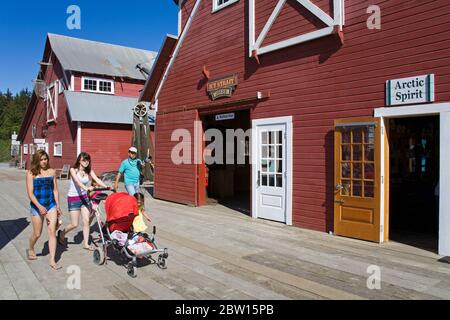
214 253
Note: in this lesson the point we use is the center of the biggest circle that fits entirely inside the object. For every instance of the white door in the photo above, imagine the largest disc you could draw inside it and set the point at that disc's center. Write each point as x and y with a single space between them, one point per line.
270 175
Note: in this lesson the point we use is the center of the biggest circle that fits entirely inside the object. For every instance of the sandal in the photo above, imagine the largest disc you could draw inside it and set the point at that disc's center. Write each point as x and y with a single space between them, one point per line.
90 248
31 256
55 266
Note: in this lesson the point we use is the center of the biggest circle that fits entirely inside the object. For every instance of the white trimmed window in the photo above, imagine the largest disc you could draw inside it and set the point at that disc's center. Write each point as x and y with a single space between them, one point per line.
220 4
97 85
57 149
25 149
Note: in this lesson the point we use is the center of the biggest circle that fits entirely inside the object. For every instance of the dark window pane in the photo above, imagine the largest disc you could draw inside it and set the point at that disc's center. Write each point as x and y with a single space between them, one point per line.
368 189
357 189
280 137
357 152
279 180
369 154
357 135
357 170
346 170
279 166
264 180
280 152
369 171
272 180
346 152
345 135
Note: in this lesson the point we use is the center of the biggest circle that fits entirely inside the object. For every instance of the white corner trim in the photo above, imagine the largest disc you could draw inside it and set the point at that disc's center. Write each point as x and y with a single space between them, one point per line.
251 27
78 138
177 48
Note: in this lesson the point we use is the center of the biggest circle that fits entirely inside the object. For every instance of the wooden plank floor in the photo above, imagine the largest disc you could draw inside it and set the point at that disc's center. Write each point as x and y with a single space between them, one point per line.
214 253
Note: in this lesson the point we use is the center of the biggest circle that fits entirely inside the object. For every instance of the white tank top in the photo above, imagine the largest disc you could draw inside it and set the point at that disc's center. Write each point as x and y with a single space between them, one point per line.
74 189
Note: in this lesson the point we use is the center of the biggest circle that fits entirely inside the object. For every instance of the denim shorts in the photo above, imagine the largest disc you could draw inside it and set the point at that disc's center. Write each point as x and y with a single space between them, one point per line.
75 203
132 188
35 213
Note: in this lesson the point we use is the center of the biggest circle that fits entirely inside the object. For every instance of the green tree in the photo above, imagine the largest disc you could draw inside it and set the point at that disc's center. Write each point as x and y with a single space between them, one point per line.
12 111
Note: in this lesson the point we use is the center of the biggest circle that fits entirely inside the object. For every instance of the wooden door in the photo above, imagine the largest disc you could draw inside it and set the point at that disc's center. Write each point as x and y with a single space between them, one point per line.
357 178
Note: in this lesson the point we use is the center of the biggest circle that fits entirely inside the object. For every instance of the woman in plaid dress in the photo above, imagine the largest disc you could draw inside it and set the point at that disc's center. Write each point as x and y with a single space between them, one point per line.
44 204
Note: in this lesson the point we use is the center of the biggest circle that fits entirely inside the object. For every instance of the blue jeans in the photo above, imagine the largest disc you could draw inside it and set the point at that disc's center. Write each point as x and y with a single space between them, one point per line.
132 188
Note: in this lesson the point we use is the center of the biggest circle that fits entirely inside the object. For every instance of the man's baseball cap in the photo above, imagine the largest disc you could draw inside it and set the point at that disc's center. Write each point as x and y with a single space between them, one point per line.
132 149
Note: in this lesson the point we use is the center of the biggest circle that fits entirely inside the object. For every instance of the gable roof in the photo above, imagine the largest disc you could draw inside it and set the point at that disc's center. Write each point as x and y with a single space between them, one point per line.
159 66
99 108
100 58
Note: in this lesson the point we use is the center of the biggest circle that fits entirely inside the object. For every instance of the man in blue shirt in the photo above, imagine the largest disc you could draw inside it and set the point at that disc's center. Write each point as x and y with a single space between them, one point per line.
131 169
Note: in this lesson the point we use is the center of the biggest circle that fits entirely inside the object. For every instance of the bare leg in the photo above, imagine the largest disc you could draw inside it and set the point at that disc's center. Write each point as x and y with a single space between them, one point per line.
37 222
74 217
52 218
85 213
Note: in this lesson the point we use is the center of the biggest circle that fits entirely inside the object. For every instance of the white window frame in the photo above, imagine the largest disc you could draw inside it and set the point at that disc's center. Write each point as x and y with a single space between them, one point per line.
216 7
55 144
98 85
25 149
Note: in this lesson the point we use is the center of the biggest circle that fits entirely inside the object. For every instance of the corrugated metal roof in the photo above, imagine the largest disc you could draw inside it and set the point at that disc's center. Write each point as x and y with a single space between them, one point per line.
94 107
100 58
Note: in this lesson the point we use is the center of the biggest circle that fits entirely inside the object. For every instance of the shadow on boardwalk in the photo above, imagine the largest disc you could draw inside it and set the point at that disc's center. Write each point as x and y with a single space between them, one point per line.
11 228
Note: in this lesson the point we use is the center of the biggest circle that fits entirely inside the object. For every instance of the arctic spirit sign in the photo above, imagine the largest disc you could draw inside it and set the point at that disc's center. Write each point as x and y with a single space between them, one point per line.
411 90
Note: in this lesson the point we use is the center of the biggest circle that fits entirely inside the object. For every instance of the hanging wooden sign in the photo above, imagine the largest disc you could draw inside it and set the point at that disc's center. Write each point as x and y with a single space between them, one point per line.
223 87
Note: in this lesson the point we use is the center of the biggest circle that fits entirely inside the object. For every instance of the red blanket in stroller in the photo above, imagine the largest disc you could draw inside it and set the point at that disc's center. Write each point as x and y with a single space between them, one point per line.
121 209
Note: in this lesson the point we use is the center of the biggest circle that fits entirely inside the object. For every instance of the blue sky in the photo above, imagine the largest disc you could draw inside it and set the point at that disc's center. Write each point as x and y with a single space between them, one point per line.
24 25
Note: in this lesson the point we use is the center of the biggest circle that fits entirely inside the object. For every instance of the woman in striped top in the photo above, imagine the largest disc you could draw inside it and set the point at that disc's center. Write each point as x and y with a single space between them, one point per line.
44 204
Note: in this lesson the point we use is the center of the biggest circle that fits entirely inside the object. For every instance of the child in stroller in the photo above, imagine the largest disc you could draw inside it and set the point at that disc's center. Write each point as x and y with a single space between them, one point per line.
117 232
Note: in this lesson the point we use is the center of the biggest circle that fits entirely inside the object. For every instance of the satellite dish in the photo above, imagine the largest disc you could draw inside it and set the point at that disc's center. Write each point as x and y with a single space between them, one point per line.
140 110
40 88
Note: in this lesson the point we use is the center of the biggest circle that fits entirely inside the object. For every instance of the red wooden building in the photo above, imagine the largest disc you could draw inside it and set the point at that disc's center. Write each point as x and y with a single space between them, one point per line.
349 107
83 101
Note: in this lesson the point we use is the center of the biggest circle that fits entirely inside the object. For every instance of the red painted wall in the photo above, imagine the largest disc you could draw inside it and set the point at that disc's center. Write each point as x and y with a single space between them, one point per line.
315 82
107 145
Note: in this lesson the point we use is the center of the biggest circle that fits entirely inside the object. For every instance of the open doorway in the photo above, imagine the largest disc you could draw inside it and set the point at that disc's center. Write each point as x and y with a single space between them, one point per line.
414 179
229 183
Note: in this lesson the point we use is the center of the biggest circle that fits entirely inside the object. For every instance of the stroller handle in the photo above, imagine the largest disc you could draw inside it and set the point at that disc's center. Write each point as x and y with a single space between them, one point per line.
104 189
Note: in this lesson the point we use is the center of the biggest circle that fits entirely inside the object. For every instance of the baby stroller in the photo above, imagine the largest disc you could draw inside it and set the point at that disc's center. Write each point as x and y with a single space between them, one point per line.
117 232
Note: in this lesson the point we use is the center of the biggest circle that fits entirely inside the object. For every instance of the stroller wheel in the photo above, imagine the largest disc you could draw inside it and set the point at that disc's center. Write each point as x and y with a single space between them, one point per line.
132 270
99 256
162 262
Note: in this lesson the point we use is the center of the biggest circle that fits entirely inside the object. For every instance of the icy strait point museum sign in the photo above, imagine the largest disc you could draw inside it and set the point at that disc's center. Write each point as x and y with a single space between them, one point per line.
411 90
